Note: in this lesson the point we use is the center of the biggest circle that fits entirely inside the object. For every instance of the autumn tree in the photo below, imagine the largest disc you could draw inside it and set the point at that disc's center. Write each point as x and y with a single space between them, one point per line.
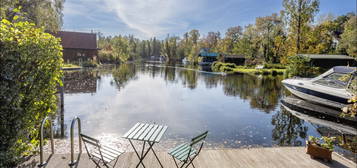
228 44
320 39
299 14
211 41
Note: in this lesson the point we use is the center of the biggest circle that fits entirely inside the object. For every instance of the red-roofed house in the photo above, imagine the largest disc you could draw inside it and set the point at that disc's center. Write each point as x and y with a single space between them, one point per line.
77 46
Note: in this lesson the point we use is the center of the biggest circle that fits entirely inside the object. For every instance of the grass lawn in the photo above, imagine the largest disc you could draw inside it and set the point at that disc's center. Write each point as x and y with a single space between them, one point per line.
259 71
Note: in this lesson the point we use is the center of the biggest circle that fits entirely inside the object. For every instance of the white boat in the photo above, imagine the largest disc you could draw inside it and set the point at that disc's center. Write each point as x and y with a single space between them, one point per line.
331 88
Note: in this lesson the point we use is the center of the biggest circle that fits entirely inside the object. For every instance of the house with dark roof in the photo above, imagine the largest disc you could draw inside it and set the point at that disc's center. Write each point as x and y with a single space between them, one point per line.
210 57
78 47
329 61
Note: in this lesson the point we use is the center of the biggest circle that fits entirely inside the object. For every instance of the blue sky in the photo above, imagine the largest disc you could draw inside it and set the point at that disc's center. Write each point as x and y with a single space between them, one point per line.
148 18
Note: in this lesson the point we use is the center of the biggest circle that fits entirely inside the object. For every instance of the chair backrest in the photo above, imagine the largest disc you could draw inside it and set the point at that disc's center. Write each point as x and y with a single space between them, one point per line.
199 138
90 141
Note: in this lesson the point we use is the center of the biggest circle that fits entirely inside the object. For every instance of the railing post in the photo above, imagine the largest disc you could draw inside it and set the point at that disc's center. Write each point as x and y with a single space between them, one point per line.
43 163
74 162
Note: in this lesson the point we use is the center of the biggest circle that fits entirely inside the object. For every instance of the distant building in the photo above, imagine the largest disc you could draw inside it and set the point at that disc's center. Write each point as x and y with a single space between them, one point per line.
209 57
78 46
329 61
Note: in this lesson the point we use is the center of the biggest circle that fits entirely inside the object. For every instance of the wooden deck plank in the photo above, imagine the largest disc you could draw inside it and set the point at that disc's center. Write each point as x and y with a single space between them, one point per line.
277 157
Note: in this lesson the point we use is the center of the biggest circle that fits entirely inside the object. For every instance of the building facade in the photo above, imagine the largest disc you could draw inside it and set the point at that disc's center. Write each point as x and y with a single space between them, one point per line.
328 61
78 47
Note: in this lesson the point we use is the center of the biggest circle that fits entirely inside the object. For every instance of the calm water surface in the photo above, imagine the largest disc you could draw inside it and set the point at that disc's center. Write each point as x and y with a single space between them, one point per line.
238 110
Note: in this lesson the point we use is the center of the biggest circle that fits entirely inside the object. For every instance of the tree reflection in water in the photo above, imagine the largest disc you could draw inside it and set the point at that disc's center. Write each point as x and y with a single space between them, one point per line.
288 129
263 92
123 74
189 78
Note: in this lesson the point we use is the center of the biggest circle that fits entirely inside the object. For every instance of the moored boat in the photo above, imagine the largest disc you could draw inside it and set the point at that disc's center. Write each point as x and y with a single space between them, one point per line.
332 88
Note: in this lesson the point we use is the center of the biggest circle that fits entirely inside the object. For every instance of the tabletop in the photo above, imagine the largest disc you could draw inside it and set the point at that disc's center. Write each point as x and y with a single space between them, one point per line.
146 132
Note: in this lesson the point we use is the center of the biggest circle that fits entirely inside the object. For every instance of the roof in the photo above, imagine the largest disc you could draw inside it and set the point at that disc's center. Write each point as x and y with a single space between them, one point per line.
344 69
208 54
327 56
77 40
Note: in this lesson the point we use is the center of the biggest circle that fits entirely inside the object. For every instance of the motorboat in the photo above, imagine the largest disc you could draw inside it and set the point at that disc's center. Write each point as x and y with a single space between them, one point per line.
332 88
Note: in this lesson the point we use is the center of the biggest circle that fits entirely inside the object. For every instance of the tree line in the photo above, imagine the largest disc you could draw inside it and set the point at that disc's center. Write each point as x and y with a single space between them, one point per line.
270 39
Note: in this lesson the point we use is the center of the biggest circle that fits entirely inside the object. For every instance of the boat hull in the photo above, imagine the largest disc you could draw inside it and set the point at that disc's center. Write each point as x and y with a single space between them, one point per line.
317 97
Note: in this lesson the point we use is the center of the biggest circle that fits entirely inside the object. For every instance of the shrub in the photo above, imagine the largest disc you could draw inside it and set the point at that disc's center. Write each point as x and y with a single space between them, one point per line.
274 66
222 67
299 66
29 75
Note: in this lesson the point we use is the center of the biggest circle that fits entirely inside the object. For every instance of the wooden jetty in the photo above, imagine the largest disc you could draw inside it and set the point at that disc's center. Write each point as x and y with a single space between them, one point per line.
271 157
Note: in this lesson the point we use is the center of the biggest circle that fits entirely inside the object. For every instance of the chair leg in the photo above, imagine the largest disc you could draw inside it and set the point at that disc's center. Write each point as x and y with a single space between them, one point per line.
183 164
96 163
116 162
175 162
191 162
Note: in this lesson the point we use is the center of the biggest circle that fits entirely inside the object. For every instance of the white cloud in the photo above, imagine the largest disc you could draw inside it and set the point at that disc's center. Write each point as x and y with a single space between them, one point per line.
154 17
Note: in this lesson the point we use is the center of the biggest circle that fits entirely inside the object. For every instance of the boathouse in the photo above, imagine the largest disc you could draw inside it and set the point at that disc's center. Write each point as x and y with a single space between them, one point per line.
78 47
210 57
329 61
207 56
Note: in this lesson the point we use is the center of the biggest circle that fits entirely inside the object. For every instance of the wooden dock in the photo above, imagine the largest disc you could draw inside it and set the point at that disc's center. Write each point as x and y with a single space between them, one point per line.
274 157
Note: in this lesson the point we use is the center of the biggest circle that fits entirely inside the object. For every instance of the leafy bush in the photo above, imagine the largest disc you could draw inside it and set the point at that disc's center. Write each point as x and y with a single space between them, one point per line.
274 66
222 67
29 75
324 142
300 66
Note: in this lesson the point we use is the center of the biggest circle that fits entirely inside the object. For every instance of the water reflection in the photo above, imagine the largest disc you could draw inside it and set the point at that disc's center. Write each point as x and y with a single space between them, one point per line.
123 74
238 110
344 131
81 81
263 92
288 129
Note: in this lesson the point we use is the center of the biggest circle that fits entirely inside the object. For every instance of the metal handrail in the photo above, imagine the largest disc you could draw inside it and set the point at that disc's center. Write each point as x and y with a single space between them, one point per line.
43 163
74 162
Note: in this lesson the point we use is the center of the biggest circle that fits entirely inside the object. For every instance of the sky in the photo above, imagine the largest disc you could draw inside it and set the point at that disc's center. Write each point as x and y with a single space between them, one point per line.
148 18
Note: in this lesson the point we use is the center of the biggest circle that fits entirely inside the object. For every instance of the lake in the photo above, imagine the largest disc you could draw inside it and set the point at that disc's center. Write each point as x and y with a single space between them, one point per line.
237 110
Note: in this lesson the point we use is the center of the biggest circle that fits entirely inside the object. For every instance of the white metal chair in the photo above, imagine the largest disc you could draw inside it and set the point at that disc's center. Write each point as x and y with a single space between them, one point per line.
100 154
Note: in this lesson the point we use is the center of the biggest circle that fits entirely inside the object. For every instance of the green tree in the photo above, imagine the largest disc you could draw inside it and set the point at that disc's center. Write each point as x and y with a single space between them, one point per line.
268 27
46 13
299 14
121 48
249 44
169 48
349 37
29 75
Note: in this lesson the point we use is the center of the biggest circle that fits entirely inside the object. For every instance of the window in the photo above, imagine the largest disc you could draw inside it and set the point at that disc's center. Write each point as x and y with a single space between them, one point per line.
336 80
